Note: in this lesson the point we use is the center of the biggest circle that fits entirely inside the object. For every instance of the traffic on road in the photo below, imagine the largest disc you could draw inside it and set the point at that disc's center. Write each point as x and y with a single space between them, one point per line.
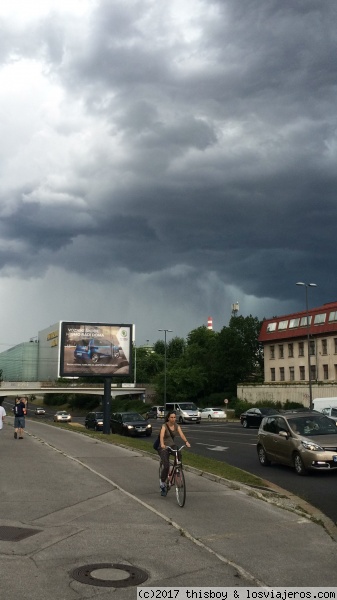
237 445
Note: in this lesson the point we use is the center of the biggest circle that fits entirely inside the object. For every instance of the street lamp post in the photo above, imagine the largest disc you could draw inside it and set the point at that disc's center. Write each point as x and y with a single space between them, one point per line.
165 332
306 285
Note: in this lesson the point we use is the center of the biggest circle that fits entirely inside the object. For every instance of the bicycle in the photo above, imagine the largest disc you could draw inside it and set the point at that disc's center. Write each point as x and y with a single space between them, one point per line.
176 475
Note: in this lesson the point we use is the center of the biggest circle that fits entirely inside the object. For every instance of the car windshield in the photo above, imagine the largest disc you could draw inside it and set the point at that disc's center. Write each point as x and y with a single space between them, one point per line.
62 412
188 406
268 411
132 417
313 425
99 415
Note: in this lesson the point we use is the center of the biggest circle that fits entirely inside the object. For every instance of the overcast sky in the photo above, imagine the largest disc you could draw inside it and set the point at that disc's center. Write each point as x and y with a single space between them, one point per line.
163 159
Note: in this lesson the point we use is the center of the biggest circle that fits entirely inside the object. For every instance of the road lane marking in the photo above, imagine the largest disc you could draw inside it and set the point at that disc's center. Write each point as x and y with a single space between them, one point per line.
215 448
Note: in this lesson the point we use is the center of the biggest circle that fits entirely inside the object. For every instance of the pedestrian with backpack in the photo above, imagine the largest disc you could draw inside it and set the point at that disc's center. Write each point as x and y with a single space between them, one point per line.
167 435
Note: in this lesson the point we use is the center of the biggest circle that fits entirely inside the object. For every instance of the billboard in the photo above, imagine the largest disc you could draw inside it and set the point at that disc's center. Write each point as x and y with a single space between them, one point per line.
95 349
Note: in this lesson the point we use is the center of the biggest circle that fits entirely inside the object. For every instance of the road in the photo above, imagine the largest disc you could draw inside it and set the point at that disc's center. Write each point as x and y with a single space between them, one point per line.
232 443
235 445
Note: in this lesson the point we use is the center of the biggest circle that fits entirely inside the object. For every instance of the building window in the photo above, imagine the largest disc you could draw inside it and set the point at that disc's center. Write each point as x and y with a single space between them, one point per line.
283 325
280 351
302 373
290 350
272 374
335 371
312 347
271 327
272 351
325 372
319 319
305 321
333 316
281 373
294 323
324 346
300 348
292 373
335 342
313 372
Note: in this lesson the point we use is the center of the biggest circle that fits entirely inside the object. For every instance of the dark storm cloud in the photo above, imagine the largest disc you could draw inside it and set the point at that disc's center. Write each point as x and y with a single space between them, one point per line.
219 151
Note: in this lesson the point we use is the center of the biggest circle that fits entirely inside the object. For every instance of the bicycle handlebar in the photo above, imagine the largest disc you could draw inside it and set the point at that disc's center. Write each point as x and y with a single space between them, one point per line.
176 449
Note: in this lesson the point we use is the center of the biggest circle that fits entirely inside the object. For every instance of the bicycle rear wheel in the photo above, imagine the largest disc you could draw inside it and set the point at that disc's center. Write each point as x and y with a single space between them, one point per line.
180 487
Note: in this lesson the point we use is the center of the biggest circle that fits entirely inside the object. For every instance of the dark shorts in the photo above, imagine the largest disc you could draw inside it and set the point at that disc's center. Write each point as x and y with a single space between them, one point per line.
19 422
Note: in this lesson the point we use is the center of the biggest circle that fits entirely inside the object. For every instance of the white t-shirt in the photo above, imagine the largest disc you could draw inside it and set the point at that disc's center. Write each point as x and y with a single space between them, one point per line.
2 414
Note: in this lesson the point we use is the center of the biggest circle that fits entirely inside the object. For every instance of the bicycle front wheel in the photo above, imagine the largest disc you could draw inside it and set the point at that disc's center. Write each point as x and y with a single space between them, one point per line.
180 487
160 470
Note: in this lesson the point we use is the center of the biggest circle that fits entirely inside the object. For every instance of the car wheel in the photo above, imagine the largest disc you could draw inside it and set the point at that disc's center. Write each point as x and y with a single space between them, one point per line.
299 465
264 460
95 358
245 423
180 420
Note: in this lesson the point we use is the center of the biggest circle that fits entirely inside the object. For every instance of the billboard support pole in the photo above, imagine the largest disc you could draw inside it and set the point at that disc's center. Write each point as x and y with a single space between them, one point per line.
106 405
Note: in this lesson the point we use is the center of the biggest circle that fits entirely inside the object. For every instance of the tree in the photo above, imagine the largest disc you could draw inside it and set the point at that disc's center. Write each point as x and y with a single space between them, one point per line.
239 352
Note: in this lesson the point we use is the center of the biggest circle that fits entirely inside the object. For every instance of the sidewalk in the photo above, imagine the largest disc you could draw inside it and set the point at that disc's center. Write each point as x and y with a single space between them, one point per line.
84 503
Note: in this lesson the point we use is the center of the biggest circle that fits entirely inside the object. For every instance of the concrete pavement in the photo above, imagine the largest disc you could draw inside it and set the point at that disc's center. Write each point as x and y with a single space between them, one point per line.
82 502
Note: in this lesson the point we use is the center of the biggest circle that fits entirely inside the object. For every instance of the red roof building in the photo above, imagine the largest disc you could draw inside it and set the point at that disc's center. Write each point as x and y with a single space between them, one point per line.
285 343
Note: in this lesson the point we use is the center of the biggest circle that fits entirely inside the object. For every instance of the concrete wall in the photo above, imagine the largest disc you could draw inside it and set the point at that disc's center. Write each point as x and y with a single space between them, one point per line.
282 392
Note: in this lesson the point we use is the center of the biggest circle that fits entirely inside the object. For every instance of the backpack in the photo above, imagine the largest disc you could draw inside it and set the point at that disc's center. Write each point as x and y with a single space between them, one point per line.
156 443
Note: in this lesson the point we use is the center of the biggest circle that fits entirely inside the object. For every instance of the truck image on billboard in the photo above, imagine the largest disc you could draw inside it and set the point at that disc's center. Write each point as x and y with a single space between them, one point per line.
95 349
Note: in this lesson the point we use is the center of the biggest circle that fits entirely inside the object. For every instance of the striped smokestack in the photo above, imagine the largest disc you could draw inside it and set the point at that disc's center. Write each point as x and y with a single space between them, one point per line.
209 323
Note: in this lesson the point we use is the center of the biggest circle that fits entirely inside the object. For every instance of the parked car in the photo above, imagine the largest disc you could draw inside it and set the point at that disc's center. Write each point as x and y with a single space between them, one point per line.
303 440
213 413
155 412
130 423
62 417
39 411
94 420
96 350
253 416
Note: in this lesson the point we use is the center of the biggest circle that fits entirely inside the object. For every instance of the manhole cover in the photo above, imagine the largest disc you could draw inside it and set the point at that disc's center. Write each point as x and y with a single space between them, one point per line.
15 534
109 575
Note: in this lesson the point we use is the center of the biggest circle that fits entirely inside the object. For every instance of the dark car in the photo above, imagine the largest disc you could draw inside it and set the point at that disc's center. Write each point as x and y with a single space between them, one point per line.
94 420
253 416
130 423
96 350
155 412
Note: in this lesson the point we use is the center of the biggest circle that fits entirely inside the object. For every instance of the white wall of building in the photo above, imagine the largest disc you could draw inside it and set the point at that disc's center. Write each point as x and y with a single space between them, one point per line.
49 339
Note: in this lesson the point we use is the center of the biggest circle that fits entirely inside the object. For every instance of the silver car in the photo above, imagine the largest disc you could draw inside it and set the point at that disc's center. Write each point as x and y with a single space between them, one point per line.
62 417
304 440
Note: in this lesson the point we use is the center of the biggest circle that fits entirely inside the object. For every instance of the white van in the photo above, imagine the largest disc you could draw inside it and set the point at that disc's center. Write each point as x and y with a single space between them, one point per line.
322 403
187 412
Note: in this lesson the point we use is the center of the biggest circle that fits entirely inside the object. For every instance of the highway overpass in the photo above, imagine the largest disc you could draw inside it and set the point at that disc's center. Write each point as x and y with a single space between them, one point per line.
15 388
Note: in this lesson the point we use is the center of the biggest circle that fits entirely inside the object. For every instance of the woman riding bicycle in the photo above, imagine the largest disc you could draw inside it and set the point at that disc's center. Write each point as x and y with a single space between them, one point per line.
167 434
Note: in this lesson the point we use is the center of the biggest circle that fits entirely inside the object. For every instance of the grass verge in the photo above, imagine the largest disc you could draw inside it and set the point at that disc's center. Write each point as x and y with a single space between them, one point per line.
203 464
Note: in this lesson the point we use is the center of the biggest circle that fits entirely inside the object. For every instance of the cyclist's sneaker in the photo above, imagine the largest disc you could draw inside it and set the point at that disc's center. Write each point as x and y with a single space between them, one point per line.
163 489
